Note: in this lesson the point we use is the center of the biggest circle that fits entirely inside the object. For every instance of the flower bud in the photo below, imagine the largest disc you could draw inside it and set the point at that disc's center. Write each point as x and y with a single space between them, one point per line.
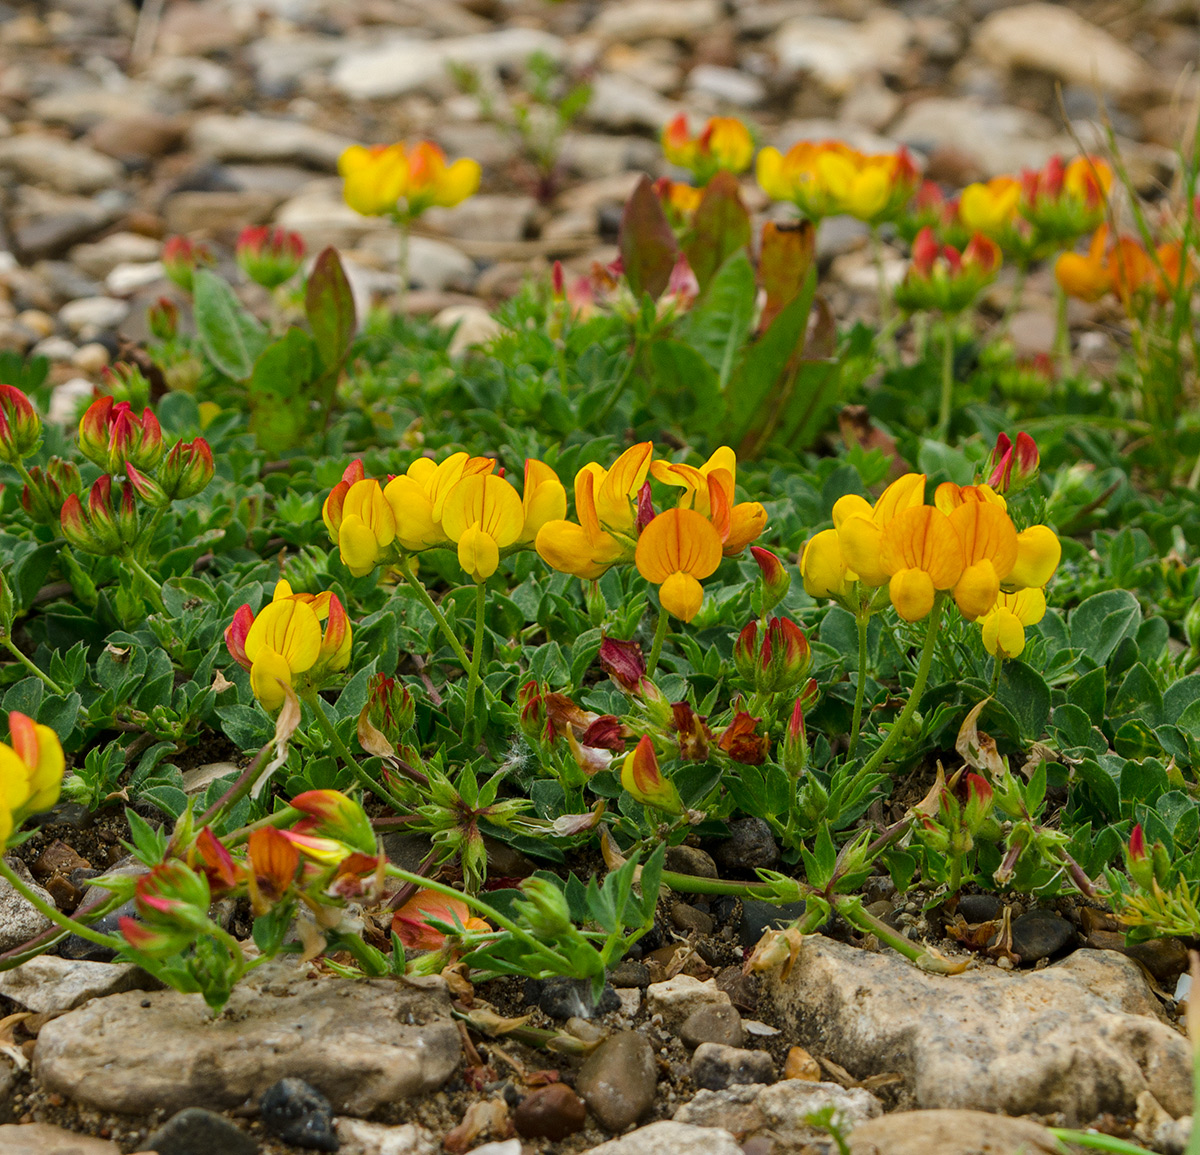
624 664
94 529
127 521
162 319
334 816
785 656
745 652
187 470
269 256
181 258
794 758
776 581
1010 468
390 707
640 776
51 487
1137 859
111 435
147 488
172 896
979 803
20 426
531 711
126 382
544 907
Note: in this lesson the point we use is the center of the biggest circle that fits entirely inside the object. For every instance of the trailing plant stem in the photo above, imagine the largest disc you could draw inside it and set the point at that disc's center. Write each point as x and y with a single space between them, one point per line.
152 586
910 707
863 619
947 399
660 636
476 660
410 576
622 384
48 681
312 699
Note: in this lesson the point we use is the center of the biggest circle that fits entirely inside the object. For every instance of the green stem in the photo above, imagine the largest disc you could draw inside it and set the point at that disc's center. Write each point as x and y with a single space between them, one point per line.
695 884
997 666
407 570
1096 1141
314 702
910 707
56 916
943 429
1062 331
49 682
660 636
152 586
146 540
403 224
851 909
885 296
469 726
860 693
621 386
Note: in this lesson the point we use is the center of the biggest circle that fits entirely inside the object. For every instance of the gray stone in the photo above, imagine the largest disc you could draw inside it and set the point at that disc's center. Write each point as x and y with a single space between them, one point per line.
54 232
951 1133
19 919
1040 934
621 103
728 85
484 217
1052 38
634 21
265 138
50 985
362 1044
82 108
298 1113
473 326
678 997
46 1139
715 1024
358 1137
781 1109
196 1131
190 212
99 259
407 64
691 860
89 315
715 1066
670 1138
977 908
617 1080
758 917
840 53
595 155
1080 1037
437 265
750 845
63 166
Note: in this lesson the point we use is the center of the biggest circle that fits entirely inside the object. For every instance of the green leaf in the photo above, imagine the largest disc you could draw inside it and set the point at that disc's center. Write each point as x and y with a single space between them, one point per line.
720 227
231 338
329 307
1099 624
684 387
647 242
25 697
717 327
1026 696
280 393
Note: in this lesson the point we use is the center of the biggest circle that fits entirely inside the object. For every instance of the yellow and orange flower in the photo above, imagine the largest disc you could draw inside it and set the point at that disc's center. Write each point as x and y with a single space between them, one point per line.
31 772
709 489
724 144
482 516
1004 624
676 551
403 181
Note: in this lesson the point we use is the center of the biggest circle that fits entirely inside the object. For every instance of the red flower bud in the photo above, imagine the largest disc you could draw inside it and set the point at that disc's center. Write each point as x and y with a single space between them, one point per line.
795 742
776 581
745 651
162 319
111 435
94 529
269 256
181 258
641 777
531 711
624 663
235 636
51 487
20 426
187 470
605 733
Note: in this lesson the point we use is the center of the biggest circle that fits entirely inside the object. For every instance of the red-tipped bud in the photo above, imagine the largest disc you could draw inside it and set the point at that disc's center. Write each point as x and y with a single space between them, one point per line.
162 319
624 663
111 435
1010 468
20 426
94 529
645 507
127 520
1138 859
925 251
979 803
269 256
126 382
51 487
776 581
557 282
181 258
235 636
785 655
187 470
146 488
641 777
745 651
390 707
173 896
332 815
795 743
331 512
531 711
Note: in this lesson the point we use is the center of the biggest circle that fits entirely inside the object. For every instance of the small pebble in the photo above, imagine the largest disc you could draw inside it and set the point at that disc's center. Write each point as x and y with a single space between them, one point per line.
90 358
715 1067
551 1112
38 322
196 1131
713 1024
799 1064
1041 934
977 908
298 1113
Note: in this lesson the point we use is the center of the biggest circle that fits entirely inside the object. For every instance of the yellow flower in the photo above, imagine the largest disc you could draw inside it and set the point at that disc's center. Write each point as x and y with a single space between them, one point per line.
989 551
922 554
860 525
418 497
723 143
677 549
31 772
373 179
432 182
483 515
990 208
366 529
543 499
606 505
823 567
948 496
1038 553
709 490
1004 624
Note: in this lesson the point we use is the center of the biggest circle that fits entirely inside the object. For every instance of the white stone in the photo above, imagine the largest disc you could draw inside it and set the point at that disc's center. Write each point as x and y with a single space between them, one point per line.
1052 38
358 1137
90 315
485 218
619 102
951 1133
637 20
64 166
839 53
19 919
266 138
54 349
473 326
406 64
46 1139
631 1000
67 402
670 1138
127 278
730 85
676 998
50 985
99 259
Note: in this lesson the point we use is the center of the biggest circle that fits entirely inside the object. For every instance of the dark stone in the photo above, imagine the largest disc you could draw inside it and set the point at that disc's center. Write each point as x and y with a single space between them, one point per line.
1040 934
298 1113
980 907
750 845
690 920
715 1023
715 1067
878 887
570 998
81 949
1165 958
691 860
618 1080
723 907
741 988
550 1112
758 917
196 1131
630 973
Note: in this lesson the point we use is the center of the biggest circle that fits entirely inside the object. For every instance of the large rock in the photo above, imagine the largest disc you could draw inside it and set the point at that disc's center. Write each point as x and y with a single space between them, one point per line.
362 1044
839 54
634 21
20 920
667 1138
951 1133
63 166
407 64
50 985
1052 38
265 138
1081 1037
46 1139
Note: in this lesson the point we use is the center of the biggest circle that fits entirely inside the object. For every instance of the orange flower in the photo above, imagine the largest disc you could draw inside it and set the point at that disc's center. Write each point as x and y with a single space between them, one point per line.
723 144
411 923
989 552
677 549
272 862
709 490
641 777
860 525
922 554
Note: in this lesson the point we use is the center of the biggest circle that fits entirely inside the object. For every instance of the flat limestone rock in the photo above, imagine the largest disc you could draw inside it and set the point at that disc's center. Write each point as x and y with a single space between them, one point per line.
1082 1036
951 1133
667 1138
361 1043
46 1139
49 984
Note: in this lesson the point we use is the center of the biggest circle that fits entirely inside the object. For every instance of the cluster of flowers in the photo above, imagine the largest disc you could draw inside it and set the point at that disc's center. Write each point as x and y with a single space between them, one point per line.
122 444
965 544
31 771
403 180
268 256
1125 268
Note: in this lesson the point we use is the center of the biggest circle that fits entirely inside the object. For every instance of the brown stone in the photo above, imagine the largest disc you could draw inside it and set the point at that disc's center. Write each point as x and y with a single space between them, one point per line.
799 1064
550 1112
